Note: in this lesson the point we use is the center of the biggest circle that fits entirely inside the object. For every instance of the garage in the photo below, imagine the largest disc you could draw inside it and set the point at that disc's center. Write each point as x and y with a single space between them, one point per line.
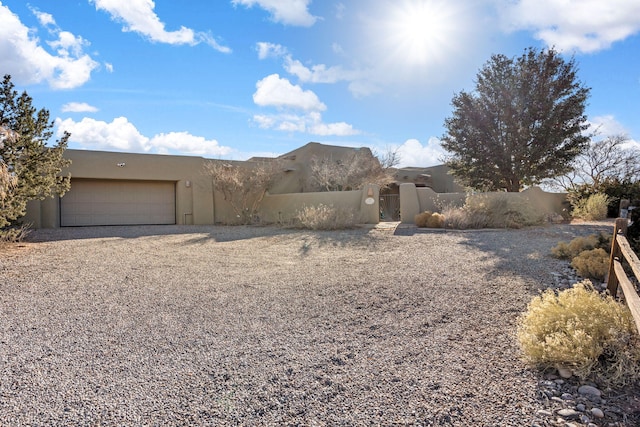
118 202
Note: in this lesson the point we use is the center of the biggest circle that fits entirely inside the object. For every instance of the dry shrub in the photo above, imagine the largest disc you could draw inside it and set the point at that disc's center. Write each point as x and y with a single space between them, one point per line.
564 250
463 219
492 210
325 217
593 207
579 329
429 220
592 264
14 234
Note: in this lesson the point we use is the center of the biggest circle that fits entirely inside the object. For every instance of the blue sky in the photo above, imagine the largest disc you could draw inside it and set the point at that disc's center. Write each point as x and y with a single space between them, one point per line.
237 78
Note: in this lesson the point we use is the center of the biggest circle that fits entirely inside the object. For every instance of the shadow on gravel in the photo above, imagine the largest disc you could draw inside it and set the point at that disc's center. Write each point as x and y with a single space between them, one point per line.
518 251
205 233
527 252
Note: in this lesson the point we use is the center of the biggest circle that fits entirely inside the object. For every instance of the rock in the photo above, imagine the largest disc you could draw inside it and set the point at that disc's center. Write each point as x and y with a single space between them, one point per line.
564 372
567 396
581 407
544 413
571 414
589 390
597 412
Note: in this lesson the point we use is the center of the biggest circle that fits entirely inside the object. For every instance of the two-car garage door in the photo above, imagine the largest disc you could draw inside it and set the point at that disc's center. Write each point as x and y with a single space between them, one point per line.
116 202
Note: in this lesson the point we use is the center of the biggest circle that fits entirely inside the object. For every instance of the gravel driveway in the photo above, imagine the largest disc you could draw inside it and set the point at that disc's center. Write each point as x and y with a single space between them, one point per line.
195 325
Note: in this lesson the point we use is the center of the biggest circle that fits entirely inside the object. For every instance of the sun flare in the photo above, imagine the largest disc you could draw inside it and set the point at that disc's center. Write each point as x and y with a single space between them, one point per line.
420 31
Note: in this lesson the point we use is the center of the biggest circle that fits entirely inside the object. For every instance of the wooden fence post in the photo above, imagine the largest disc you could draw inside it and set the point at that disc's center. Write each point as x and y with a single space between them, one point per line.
612 280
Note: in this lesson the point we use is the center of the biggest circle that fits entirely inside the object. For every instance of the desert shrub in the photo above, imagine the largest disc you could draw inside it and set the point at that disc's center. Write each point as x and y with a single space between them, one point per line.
421 218
492 211
592 264
325 217
582 330
14 234
614 188
593 207
430 220
505 210
572 249
462 219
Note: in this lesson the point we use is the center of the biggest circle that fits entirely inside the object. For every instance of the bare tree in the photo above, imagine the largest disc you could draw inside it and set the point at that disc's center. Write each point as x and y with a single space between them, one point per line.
243 185
605 159
389 158
349 173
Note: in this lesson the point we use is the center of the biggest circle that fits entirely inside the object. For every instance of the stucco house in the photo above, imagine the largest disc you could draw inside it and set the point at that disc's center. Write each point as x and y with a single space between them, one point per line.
111 188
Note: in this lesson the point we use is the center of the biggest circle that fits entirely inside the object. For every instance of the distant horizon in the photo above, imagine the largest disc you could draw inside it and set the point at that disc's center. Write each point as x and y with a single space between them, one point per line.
254 78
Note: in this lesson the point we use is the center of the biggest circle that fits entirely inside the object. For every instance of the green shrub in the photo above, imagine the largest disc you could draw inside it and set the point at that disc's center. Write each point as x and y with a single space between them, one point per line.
430 220
579 329
592 264
325 217
593 207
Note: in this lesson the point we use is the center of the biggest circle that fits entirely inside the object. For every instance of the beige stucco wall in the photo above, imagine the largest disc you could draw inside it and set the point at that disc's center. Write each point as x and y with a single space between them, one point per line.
414 200
196 202
283 207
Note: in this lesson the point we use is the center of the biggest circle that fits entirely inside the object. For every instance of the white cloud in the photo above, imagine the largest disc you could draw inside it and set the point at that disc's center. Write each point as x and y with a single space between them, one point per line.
274 91
288 12
45 19
183 142
607 125
318 73
413 153
337 48
139 17
332 129
583 25
270 50
78 107
359 84
310 123
28 61
122 135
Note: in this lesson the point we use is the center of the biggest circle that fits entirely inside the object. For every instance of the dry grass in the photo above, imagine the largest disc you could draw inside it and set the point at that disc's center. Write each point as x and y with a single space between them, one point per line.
325 217
492 211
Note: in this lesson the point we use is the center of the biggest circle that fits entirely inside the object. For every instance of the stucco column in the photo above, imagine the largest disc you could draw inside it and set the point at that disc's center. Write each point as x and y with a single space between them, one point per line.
409 203
370 204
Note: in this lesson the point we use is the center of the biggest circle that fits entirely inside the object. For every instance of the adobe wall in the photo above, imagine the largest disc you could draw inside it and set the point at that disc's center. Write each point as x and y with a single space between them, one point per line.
196 202
415 200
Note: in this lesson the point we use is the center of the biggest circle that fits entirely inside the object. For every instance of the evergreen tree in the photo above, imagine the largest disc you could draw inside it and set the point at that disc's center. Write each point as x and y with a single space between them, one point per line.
32 166
524 122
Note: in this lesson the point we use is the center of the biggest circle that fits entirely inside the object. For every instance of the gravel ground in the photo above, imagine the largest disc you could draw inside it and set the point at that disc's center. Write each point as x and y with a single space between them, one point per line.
194 325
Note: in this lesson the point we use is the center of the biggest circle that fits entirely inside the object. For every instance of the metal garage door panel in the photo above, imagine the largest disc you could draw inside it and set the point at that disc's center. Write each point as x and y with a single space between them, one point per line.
110 202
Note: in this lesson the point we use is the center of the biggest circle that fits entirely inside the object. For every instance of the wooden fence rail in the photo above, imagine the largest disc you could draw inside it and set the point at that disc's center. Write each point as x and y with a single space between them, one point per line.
620 249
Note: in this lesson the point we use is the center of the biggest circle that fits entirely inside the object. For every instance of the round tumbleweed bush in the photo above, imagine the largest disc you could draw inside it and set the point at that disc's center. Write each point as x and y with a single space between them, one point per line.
579 329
